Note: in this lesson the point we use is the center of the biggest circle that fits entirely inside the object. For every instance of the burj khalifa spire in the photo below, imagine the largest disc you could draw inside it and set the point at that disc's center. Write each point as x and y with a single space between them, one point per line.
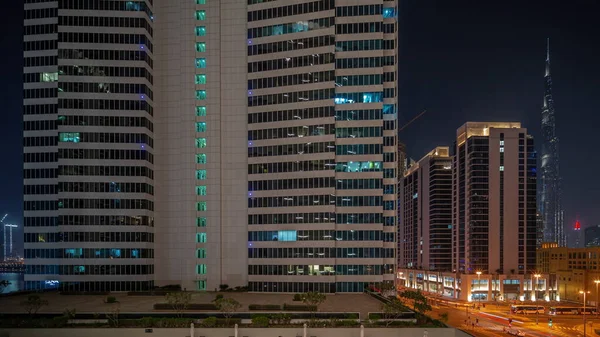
550 205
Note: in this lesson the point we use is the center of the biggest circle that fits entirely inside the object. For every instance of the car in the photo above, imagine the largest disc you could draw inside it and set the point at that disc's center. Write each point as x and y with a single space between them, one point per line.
515 332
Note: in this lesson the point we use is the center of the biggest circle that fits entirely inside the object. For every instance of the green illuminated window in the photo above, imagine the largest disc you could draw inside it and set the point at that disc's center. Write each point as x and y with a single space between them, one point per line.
200 31
200 126
200 111
201 190
201 95
201 62
201 222
201 15
201 283
201 206
201 237
200 143
201 175
201 47
71 137
200 2
201 269
201 253
200 158
200 79
49 77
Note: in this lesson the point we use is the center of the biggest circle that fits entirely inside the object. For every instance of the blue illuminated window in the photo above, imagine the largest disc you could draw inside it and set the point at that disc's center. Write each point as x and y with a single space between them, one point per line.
201 253
389 12
200 126
200 30
201 269
201 237
201 47
287 236
201 206
201 174
201 95
201 190
358 97
201 222
200 79
200 2
200 143
389 109
135 253
115 253
200 62
71 137
78 269
201 15
201 158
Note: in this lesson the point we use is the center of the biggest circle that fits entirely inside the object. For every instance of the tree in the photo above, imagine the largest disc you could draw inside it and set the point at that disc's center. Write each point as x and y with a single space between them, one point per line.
387 288
228 306
179 301
33 304
443 317
313 299
3 285
393 310
419 301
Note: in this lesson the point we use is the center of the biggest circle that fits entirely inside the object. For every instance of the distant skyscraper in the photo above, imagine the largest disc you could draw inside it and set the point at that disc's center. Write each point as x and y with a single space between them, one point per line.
550 191
592 236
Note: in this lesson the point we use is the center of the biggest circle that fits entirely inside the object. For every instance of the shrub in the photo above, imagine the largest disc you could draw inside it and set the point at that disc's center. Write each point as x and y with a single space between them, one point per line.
110 299
223 287
348 322
193 306
352 316
210 322
281 318
260 321
218 297
264 307
374 316
297 297
293 307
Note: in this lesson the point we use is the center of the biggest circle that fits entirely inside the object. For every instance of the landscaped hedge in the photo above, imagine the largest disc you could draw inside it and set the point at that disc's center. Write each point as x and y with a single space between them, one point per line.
104 293
192 306
265 307
151 293
294 307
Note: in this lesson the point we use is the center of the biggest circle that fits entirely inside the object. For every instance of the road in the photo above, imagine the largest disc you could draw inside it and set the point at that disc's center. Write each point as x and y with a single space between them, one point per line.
493 319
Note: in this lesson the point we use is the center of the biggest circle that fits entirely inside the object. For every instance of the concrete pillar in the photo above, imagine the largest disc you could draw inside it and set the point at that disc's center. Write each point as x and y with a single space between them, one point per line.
236 330
192 330
362 330
305 333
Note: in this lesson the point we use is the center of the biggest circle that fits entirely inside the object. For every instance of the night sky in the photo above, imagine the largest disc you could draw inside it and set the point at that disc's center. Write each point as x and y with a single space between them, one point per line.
460 60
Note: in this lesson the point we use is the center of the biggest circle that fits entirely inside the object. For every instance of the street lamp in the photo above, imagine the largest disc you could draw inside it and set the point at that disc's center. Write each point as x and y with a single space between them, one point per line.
537 277
597 281
479 283
584 293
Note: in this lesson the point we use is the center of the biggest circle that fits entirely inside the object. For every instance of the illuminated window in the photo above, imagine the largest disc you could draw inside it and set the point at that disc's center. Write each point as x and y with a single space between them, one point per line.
200 2
389 109
200 143
200 79
501 149
501 168
287 236
201 269
201 283
201 253
389 12
49 77
200 30
501 143
200 190
201 237
201 206
201 111
201 127
201 222
201 15
200 158
200 95
201 174
71 137
201 47
201 62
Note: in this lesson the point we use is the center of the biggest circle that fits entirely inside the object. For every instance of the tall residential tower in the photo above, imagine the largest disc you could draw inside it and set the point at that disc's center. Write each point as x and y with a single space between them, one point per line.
550 205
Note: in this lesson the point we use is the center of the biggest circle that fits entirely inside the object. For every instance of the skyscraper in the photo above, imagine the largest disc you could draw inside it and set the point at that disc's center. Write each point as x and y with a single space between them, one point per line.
210 142
550 205
494 203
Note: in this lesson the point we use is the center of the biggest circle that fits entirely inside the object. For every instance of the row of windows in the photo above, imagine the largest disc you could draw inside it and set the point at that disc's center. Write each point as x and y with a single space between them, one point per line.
105 137
315 200
90 286
316 270
291 62
353 80
106 5
40 61
112 187
41 13
90 237
112 54
37 1
297 9
296 131
296 79
364 62
358 10
102 21
40 157
358 132
113 171
105 104
289 45
109 38
359 184
300 218
359 28
89 220
106 71
286 115
357 115
290 149
354 149
40 189
40 93
106 88
40 141
41 173
39 125
121 121
105 204
291 97
287 167
287 184
289 28
103 269
40 45
322 235
359 166
318 252
358 45
49 28
90 253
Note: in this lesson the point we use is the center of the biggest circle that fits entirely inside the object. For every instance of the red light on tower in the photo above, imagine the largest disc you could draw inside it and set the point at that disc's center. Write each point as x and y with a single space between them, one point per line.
577 225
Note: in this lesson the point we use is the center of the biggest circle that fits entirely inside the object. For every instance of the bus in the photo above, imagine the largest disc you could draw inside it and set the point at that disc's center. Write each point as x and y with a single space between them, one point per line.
563 311
527 309
587 311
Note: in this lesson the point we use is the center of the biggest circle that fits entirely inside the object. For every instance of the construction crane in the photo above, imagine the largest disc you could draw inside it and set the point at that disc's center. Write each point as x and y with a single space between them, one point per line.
4 217
412 120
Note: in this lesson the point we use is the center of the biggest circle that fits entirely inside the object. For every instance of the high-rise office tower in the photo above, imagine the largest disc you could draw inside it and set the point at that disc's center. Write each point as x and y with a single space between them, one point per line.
550 203
592 236
494 199
425 230
264 132
89 145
